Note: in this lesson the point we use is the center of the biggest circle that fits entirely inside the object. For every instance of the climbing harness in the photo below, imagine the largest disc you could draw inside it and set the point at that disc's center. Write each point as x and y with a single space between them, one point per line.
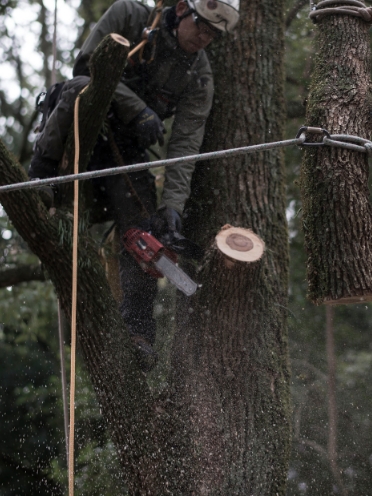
148 34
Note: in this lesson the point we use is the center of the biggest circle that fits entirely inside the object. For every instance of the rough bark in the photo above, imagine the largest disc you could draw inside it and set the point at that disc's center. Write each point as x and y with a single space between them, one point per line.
121 389
337 216
106 66
138 429
230 353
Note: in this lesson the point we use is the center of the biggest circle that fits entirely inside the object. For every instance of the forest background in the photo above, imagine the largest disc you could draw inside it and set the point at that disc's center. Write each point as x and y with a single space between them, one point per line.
32 454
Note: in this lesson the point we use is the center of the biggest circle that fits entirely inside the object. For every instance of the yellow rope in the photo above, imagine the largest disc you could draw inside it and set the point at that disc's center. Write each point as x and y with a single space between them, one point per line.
74 298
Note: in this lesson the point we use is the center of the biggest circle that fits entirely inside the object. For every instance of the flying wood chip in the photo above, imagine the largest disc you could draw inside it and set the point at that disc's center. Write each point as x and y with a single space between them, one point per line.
240 244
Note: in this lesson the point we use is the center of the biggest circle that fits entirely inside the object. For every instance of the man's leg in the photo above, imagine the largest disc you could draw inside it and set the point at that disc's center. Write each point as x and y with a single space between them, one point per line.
139 289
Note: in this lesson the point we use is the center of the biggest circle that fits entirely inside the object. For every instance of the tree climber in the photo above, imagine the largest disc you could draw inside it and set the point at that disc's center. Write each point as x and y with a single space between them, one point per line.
172 77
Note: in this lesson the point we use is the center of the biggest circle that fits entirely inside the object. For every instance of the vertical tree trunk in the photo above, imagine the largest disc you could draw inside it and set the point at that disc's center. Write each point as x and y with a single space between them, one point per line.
230 361
332 402
124 397
336 211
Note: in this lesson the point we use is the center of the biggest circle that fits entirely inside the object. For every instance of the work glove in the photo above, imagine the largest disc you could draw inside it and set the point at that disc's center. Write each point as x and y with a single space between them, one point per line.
166 222
148 128
166 225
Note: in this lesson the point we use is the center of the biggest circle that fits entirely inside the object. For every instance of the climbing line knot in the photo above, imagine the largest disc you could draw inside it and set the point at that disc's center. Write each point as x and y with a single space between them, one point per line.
332 7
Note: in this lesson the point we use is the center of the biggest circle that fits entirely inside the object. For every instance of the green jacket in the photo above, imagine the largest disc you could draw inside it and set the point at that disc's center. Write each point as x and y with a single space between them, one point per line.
174 83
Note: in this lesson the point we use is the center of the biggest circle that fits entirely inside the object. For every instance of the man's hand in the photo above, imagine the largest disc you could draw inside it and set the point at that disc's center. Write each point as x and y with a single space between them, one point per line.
166 222
148 128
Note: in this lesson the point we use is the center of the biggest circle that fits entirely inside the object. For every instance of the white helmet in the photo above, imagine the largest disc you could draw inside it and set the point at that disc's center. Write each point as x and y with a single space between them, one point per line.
222 14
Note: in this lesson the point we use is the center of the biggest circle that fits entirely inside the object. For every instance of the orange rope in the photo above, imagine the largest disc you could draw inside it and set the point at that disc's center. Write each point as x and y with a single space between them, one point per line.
74 298
153 26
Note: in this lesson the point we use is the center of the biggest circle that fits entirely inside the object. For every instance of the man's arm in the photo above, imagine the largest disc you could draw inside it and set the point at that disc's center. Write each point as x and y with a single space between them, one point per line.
127 18
187 136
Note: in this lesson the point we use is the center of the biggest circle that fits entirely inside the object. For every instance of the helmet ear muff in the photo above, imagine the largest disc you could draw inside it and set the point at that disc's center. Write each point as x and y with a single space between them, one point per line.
173 20
185 14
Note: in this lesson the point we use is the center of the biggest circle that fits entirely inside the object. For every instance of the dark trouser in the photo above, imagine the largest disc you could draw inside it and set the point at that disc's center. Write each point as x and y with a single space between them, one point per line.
112 193
112 197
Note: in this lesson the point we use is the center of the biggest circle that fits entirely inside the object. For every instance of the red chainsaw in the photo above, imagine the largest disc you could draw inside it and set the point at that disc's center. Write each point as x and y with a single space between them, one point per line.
157 260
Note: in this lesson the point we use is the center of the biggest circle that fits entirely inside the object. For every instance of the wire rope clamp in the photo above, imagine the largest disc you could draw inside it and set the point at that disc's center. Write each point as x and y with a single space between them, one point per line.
313 130
149 34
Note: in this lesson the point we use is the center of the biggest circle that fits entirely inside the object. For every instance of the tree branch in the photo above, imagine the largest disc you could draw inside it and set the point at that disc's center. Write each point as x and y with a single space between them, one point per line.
121 388
22 273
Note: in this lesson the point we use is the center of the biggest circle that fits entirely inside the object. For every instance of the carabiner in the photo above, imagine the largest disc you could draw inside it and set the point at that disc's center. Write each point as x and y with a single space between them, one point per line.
313 130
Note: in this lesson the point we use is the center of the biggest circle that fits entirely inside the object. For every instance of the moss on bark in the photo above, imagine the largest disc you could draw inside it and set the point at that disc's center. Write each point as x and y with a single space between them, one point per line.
336 210
230 355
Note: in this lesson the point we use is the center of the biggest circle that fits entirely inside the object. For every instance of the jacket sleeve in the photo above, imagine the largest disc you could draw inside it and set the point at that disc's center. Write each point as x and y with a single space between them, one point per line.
186 138
127 18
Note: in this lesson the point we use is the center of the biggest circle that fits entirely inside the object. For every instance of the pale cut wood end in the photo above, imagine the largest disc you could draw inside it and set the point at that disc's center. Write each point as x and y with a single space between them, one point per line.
240 244
120 39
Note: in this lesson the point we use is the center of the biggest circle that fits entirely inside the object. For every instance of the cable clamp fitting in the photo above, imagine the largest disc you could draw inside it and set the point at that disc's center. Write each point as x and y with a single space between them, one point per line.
313 130
149 34
345 141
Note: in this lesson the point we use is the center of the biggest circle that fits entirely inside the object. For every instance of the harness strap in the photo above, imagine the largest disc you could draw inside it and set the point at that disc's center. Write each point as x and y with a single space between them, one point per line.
141 44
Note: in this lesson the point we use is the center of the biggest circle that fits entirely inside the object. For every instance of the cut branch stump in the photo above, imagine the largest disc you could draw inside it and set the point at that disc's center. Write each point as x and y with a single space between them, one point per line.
106 66
239 245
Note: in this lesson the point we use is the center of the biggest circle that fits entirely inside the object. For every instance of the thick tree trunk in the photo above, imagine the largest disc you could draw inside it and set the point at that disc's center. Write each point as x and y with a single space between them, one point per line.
121 389
337 216
138 429
230 360
106 66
